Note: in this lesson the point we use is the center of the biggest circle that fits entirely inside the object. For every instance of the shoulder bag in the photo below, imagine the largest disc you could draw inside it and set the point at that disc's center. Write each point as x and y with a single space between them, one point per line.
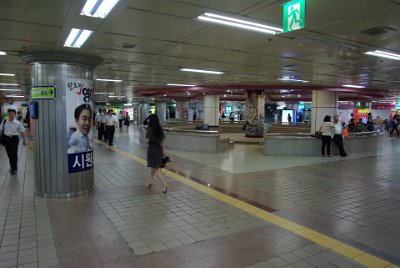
2 136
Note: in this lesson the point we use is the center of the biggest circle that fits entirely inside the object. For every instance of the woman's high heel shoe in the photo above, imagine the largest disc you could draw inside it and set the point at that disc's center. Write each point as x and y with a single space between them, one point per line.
165 190
149 185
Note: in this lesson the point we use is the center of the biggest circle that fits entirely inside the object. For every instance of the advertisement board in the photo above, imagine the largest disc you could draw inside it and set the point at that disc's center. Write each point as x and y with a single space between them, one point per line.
79 113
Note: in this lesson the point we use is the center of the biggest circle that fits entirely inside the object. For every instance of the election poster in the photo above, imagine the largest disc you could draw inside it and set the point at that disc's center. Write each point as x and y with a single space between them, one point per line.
79 112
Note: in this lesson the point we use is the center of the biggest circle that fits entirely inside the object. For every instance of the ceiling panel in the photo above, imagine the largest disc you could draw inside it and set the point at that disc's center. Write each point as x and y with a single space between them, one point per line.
227 37
353 31
28 32
115 41
45 12
151 25
196 52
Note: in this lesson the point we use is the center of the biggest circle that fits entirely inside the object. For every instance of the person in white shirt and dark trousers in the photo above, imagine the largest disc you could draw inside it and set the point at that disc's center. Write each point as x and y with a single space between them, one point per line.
12 128
338 136
326 131
110 124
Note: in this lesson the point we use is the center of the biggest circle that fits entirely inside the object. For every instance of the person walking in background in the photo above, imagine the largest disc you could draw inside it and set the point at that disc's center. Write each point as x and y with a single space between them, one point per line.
120 119
289 118
154 137
194 116
110 125
126 121
338 136
395 124
326 131
12 128
232 117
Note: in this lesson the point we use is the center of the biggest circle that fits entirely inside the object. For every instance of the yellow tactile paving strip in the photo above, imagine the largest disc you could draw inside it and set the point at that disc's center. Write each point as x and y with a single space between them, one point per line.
316 237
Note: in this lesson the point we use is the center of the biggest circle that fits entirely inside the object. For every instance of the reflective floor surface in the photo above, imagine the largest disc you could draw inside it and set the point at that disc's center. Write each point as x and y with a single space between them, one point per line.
232 209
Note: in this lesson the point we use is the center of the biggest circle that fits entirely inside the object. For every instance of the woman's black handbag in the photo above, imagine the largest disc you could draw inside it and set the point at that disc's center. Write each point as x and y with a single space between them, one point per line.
165 160
2 136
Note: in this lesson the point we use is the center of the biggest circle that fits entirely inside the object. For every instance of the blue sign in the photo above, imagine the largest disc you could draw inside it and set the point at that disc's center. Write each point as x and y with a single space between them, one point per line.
78 162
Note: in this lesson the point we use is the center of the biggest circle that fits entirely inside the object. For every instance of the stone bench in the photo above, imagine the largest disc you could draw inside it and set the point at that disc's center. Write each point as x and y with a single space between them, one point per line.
194 141
300 144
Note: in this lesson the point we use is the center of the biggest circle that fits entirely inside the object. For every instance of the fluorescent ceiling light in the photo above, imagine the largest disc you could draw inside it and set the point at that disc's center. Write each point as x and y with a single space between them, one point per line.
15 96
384 54
108 80
116 96
200 71
2 53
181 85
240 23
10 89
287 79
8 84
98 8
353 86
127 104
77 37
4 74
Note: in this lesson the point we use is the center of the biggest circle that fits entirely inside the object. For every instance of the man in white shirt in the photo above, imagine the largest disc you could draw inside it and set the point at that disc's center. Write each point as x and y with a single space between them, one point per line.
11 129
110 125
338 135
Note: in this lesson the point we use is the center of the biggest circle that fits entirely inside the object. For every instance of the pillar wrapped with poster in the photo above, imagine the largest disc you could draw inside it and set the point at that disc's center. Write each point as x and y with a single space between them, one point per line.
254 125
79 113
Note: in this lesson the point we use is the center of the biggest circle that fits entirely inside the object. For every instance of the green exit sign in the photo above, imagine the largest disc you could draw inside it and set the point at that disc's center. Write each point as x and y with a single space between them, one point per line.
294 15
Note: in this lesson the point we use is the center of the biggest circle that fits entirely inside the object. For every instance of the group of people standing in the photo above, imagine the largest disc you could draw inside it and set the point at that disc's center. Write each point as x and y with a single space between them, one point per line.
332 131
106 123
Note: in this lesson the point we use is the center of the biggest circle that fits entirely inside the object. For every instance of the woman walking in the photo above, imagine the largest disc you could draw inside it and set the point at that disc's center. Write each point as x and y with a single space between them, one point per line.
154 136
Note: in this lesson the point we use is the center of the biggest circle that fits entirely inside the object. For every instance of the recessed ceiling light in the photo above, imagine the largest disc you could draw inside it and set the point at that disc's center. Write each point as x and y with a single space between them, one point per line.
384 54
77 37
353 86
243 23
116 96
8 84
180 85
5 74
2 53
200 71
288 79
10 89
98 8
15 96
108 80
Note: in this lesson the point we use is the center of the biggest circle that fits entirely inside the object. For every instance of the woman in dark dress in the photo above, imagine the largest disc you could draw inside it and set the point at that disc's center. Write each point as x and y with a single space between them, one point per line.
126 121
154 136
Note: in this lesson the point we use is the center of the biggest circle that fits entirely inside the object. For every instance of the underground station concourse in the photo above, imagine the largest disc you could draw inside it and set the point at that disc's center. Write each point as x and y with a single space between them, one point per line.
251 191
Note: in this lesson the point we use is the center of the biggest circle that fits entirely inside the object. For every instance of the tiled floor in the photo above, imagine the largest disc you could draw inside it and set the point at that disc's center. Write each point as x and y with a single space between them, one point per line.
353 200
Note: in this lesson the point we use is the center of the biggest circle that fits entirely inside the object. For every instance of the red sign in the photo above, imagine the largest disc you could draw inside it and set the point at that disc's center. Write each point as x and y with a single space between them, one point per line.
361 112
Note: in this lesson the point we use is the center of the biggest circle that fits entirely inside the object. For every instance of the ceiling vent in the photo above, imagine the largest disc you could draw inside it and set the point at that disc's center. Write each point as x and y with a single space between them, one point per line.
128 46
378 30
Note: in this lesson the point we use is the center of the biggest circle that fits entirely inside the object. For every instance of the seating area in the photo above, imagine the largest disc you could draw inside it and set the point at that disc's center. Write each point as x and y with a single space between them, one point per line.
289 128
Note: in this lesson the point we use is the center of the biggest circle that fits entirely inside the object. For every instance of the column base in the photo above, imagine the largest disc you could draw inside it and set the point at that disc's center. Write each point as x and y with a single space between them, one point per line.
65 195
